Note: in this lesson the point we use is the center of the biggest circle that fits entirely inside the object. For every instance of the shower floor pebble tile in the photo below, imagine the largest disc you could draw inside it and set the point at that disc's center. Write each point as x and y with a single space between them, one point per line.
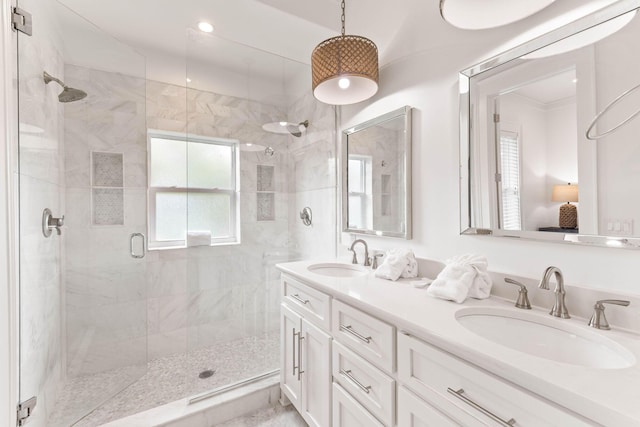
276 416
166 379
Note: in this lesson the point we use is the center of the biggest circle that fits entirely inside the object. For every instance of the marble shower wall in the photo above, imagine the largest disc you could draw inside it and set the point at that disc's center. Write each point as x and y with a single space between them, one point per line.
206 295
121 310
313 179
41 147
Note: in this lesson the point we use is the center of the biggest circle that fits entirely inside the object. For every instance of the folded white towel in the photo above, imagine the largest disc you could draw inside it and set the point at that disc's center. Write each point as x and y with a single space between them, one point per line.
398 263
463 276
198 238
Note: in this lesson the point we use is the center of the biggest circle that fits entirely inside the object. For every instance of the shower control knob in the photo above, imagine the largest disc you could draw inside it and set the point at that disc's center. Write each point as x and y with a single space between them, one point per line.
49 223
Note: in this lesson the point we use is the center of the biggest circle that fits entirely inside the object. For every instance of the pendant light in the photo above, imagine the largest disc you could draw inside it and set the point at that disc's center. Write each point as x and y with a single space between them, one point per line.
344 69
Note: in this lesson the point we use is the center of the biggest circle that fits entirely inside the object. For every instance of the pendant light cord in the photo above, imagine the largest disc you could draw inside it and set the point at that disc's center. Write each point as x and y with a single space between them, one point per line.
342 17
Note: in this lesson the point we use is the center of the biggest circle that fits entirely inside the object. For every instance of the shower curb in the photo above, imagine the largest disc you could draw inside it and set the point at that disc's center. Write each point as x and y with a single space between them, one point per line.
214 410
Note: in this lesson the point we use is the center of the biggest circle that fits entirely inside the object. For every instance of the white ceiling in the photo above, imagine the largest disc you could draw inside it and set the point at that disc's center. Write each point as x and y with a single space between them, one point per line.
164 31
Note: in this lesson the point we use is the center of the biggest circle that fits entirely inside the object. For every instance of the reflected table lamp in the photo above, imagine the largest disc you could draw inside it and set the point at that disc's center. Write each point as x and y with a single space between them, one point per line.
568 213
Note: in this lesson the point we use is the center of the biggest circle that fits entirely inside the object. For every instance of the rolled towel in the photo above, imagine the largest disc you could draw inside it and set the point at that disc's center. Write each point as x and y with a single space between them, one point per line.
398 263
463 276
199 238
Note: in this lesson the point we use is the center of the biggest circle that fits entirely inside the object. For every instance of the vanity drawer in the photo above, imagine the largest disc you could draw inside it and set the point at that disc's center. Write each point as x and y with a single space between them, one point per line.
366 335
414 412
469 394
311 304
347 412
366 383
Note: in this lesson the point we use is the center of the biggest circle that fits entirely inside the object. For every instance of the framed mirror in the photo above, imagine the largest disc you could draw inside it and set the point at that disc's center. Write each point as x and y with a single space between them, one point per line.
376 176
549 144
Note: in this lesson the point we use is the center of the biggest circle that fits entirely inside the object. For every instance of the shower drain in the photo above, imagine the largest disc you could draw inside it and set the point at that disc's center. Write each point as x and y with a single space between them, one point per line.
206 373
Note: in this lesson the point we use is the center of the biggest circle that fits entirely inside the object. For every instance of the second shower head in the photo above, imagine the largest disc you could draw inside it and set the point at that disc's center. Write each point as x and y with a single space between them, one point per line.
68 94
295 129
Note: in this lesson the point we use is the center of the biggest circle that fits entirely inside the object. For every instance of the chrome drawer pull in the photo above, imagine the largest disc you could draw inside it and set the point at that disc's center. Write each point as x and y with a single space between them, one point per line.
460 395
297 298
350 330
350 377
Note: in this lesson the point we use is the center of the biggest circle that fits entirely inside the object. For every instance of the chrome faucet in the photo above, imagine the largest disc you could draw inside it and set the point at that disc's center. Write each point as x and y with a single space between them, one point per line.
367 262
559 307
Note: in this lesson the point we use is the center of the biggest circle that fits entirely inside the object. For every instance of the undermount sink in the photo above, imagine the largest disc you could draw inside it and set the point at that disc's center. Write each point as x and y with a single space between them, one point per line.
335 269
549 338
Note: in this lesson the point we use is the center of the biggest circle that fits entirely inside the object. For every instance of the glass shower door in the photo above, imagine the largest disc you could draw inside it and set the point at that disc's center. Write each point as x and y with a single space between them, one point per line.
82 179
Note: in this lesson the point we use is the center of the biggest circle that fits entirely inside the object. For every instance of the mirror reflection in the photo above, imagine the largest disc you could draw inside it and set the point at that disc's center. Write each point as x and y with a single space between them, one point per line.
376 175
533 171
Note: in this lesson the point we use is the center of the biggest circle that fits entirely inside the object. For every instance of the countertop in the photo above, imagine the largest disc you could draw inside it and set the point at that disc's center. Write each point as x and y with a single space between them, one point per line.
607 396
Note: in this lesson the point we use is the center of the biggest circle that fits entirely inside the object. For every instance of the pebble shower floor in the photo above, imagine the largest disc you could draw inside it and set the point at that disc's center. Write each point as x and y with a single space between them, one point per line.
168 379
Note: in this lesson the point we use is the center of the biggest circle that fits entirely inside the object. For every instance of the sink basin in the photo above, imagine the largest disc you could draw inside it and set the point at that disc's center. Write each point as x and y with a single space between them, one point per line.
548 338
335 269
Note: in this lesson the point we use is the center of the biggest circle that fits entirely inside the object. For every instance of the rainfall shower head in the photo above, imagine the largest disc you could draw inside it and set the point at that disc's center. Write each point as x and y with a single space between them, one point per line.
68 94
295 129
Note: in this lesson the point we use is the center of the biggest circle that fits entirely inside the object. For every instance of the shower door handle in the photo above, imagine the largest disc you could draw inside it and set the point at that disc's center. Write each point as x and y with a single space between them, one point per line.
144 245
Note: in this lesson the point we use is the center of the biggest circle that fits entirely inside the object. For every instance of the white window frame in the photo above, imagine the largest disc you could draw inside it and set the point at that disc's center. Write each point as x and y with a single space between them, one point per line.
234 192
365 196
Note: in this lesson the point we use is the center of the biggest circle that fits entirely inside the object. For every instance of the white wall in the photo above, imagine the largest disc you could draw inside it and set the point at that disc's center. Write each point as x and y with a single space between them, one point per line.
429 83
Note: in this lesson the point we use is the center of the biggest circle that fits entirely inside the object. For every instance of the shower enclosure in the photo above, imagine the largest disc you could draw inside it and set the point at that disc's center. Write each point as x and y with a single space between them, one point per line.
153 277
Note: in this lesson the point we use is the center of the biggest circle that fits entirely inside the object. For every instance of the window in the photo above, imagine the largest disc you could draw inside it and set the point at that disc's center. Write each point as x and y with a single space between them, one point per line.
193 191
510 180
360 192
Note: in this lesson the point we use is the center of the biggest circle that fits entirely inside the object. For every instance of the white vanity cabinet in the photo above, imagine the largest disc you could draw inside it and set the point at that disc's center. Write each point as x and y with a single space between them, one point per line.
305 364
344 367
469 395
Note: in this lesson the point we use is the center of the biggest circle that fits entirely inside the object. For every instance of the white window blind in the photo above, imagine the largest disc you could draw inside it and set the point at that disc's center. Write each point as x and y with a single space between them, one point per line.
510 174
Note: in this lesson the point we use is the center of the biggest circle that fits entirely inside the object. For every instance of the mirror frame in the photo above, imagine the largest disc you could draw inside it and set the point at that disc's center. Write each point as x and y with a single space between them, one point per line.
406 162
466 136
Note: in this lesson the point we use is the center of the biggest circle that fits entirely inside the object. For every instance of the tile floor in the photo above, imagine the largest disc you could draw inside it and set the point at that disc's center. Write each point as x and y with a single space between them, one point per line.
165 380
276 416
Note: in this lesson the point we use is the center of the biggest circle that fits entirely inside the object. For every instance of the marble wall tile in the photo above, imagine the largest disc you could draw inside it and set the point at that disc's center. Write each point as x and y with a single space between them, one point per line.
265 206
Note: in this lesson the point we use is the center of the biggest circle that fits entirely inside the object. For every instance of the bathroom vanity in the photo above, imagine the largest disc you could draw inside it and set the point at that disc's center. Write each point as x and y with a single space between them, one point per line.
362 351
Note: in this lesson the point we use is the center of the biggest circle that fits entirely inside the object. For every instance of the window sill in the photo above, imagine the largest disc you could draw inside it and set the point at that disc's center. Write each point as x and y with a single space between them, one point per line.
165 248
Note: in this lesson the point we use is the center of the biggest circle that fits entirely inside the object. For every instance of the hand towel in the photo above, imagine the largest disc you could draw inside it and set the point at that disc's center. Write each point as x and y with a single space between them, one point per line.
463 276
398 263
198 238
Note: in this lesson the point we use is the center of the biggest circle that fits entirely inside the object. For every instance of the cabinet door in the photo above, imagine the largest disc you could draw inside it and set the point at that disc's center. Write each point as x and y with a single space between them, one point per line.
347 412
290 328
315 347
415 412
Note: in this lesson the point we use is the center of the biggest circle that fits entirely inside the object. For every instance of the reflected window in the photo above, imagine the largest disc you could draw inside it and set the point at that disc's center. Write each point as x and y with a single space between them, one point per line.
510 180
360 192
193 191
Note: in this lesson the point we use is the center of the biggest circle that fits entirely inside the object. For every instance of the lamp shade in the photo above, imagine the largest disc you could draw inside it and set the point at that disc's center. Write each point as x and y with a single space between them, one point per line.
344 70
565 193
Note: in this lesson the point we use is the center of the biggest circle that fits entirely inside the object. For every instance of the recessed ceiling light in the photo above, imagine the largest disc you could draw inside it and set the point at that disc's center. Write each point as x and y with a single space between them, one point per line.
188 80
205 26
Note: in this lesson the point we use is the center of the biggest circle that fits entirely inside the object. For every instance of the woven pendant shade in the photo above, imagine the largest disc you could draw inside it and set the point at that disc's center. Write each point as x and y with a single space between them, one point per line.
344 57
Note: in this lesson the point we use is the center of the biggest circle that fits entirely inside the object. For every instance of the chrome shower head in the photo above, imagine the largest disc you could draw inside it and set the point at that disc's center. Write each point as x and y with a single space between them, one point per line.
68 94
295 129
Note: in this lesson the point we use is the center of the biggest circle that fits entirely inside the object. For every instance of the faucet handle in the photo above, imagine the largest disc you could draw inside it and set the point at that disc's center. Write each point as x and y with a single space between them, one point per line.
374 260
598 319
523 298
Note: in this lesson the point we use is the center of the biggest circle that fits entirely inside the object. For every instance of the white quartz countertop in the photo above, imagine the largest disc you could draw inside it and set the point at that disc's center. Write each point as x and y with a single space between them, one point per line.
607 396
